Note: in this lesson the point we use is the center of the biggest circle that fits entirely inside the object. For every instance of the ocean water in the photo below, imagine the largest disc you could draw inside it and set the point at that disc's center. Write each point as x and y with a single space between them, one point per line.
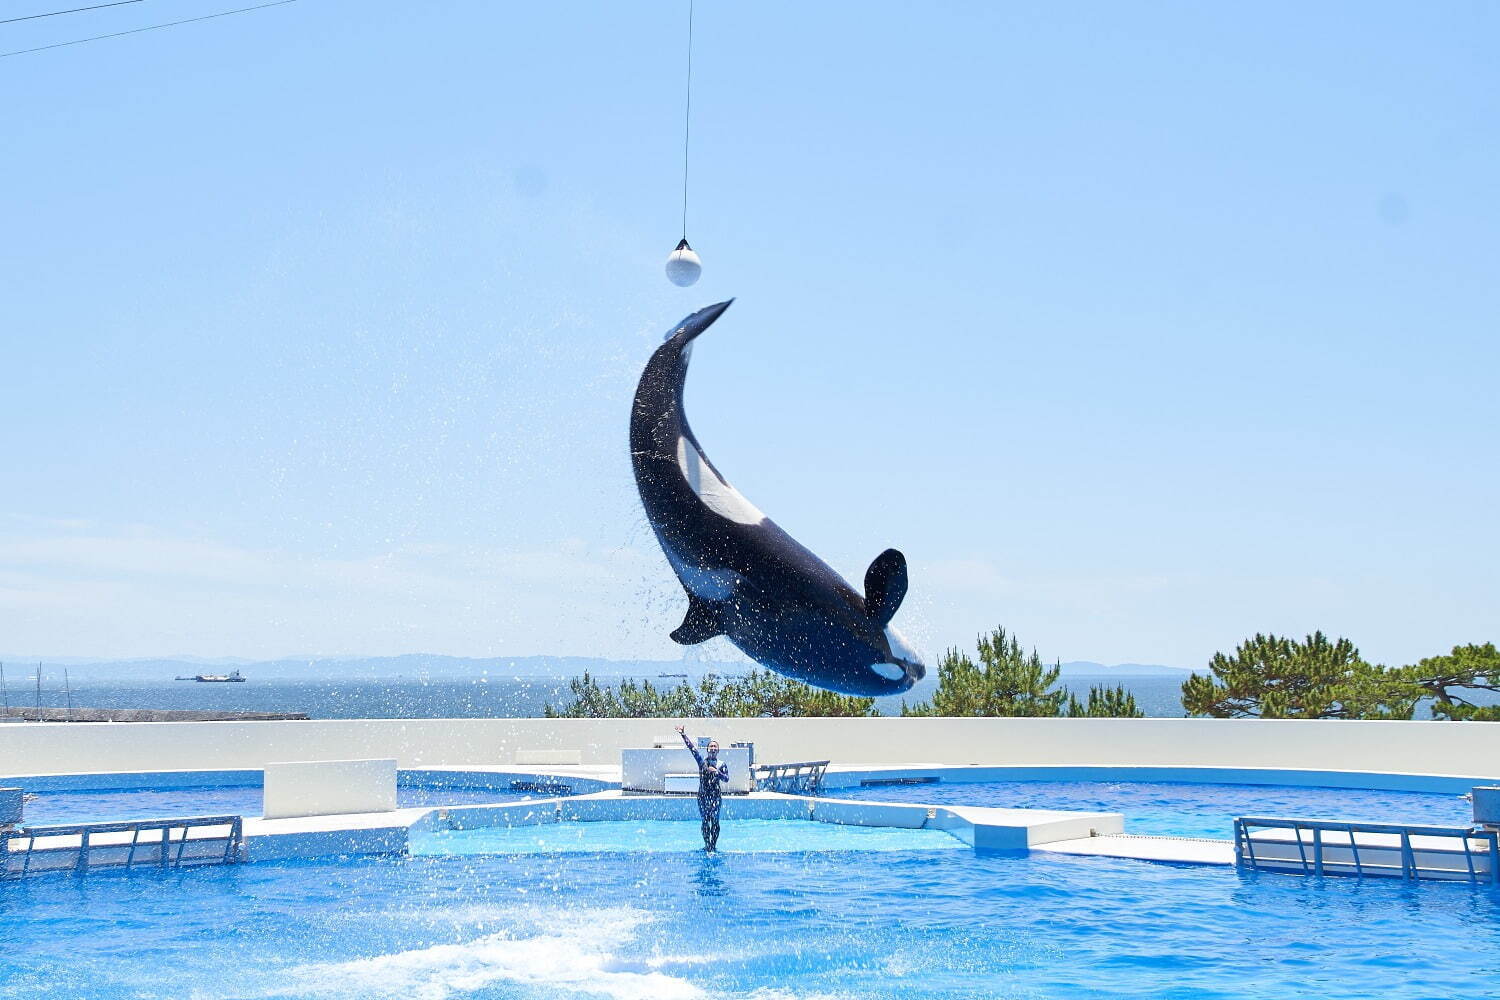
1181 809
453 698
407 698
362 698
852 924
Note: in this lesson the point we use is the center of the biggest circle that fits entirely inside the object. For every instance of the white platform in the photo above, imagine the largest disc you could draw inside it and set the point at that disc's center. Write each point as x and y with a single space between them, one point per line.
329 788
645 769
1173 849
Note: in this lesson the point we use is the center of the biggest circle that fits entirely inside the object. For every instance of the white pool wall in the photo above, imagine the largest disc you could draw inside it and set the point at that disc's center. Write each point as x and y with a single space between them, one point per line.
983 828
1424 748
329 787
488 779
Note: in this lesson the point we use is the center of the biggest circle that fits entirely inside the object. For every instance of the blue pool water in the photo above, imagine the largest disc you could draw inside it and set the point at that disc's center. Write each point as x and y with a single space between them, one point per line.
87 806
1183 809
760 926
737 836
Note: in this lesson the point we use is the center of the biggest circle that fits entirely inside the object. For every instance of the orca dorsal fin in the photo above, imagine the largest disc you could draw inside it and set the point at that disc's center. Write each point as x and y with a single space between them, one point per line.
700 624
885 585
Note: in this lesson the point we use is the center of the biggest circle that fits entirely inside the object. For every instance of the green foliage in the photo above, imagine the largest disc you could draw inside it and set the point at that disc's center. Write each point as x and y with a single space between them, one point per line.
1007 681
759 694
1472 667
1104 703
1271 677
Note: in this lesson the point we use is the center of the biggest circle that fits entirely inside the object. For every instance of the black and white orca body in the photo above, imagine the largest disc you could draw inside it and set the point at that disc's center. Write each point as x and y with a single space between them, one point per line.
745 578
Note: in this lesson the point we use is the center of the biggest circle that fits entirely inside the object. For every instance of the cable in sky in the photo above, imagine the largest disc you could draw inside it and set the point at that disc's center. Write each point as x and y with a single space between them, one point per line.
683 265
149 27
687 119
75 10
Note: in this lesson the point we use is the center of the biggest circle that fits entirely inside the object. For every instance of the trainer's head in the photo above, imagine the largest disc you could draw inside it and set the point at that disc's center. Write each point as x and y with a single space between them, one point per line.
713 748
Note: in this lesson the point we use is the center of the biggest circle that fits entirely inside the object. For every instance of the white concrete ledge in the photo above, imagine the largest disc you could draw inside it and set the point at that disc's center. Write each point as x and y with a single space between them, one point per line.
902 815
1467 749
1180 850
574 756
329 787
845 776
323 836
645 769
982 828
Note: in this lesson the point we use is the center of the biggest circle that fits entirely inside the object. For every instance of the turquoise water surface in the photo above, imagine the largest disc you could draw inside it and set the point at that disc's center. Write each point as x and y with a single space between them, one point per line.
1182 809
739 836
762 926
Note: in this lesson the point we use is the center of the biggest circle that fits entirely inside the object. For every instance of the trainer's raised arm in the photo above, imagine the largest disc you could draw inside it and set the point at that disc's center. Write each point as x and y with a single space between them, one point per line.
692 747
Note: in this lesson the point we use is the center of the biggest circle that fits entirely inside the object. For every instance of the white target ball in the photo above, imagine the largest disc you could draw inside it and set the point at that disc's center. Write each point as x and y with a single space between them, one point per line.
683 265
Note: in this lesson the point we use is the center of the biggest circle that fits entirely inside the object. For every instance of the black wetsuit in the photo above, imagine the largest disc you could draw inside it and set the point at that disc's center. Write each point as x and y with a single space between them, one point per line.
711 774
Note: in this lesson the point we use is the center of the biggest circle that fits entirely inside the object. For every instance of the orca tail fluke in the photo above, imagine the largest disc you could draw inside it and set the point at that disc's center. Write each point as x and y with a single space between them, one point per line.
689 329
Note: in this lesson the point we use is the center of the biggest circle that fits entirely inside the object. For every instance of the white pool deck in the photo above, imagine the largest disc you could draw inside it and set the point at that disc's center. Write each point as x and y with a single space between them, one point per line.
1100 834
1174 850
984 828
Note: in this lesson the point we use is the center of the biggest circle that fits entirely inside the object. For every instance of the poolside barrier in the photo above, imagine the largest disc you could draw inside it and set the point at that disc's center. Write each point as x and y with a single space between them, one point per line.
1335 847
799 778
81 847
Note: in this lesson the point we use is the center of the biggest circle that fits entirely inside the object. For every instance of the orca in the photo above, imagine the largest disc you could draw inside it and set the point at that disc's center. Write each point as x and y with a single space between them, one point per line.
746 578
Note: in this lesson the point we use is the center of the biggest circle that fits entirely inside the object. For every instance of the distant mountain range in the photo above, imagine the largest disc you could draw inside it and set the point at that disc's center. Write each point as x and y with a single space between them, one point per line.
414 665
435 666
1087 668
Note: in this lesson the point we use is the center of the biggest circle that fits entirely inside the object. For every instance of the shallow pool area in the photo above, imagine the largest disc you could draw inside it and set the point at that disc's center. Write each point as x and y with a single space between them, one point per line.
1183 809
738 836
662 925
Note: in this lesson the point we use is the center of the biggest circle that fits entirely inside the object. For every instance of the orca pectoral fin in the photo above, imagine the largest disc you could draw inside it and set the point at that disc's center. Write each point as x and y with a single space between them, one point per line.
885 585
700 624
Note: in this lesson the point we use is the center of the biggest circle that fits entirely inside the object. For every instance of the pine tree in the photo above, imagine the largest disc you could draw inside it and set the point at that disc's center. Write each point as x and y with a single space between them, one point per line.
1007 681
1271 677
1105 703
758 694
1467 668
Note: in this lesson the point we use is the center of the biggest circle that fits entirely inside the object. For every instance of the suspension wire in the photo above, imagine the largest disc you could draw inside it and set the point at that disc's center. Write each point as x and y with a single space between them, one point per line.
149 27
687 121
75 10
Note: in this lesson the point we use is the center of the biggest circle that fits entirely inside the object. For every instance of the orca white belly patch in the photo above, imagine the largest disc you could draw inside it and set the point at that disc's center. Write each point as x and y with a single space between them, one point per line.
717 495
705 584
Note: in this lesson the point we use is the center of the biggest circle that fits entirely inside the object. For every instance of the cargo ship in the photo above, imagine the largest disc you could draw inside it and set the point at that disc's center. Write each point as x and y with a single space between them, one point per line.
233 677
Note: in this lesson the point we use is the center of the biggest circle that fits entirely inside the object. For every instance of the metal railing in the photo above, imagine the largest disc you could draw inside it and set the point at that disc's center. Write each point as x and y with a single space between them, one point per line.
800 778
1336 847
81 847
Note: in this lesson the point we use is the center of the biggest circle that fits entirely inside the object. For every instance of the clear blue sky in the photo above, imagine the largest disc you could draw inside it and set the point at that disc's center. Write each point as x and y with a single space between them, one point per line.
1139 327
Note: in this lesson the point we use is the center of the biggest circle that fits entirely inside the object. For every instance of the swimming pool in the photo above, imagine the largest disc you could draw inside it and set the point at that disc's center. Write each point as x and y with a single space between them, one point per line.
243 797
745 836
1183 809
763 925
